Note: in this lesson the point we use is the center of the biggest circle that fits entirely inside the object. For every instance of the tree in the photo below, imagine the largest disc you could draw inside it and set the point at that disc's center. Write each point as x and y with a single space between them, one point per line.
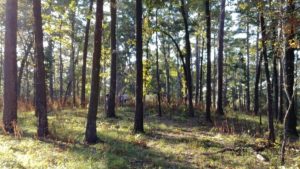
257 74
10 67
208 76
291 122
220 60
189 81
113 66
40 79
91 130
157 70
85 52
138 119
269 85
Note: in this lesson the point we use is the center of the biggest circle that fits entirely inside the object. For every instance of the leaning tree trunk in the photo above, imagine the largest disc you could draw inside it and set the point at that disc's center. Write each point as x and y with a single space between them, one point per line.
139 119
208 46
85 52
269 85
113 66
40 83
91 130
220 60
10 67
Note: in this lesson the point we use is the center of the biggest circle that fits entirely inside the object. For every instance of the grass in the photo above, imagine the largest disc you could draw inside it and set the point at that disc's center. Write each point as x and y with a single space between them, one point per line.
170 142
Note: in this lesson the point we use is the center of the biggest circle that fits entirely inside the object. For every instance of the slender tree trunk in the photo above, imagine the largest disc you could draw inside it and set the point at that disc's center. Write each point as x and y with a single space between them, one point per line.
214 73
220 60
197 70
167 67
91 130
10 67
40 83
248 70
281 88
23 62
201 70
113 66
269 85
85 52
139 117
189 80
157 72
61 66
71 89
208 48
257 76
50 60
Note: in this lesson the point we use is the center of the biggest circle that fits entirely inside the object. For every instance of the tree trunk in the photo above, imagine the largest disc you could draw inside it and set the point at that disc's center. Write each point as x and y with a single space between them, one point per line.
197 70
269 85
208 46
189 81
220 60
40 83
113 66
85 52
257 76
61 66
157 72
167 67
91 130
139 119
10 67
291 125
50 71
23 62
248 70
201 70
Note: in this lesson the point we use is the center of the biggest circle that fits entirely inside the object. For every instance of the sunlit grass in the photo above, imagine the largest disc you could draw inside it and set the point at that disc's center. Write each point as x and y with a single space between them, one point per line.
177 142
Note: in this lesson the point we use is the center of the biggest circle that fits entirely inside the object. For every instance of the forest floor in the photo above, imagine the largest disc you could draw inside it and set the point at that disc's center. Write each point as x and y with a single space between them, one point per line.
169 142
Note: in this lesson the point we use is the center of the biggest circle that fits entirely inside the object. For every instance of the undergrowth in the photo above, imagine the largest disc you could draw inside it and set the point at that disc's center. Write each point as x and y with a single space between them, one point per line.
172 141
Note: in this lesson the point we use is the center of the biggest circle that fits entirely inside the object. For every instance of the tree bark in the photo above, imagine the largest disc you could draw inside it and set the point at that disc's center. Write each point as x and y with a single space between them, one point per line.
291 123
257 76
113 66
61 65
197 70
269 85
40 83
91 130
201 70
189 81
10 67
85 52
248 70
220 60
208 48
157 72
139 117
23 62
